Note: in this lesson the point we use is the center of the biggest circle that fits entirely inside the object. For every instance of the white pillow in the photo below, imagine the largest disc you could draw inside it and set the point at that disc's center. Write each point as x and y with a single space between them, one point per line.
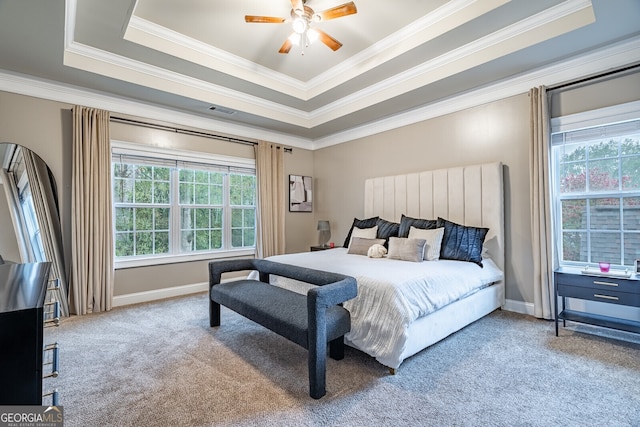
365 233
433 238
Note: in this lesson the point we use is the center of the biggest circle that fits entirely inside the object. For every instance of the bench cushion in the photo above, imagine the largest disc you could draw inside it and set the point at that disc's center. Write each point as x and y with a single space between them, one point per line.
281 310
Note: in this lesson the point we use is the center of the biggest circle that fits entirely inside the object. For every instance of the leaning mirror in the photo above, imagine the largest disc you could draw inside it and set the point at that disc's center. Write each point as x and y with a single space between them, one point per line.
29 220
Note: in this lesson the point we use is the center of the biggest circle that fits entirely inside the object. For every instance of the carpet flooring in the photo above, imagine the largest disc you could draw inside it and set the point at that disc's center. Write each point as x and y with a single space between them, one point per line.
160 364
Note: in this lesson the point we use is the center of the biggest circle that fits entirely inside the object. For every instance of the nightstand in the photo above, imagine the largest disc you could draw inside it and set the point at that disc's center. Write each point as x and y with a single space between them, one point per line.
570 283
319 248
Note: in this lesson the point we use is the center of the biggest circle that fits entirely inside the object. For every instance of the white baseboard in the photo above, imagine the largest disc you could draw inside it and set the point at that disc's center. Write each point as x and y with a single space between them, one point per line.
157 294
518 307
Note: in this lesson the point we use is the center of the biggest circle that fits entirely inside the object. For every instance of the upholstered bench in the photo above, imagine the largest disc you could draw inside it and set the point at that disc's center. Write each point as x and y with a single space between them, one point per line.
312 321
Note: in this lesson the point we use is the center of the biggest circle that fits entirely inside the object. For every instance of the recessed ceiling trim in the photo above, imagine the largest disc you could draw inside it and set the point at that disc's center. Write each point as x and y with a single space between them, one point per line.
562 18
610 57
105 63
559 19
445 18
607 58
164 40
73 95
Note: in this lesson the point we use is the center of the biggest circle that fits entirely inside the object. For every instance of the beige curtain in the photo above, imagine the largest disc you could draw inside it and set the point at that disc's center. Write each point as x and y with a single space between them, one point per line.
270 237
46 209
541 221
91 224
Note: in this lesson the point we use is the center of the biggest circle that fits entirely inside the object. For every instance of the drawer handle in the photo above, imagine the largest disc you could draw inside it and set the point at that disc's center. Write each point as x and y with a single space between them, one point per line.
596 282
606 297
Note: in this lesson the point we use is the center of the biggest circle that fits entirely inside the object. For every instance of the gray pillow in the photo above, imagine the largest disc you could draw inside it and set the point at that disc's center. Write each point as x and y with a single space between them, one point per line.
360 245
406 249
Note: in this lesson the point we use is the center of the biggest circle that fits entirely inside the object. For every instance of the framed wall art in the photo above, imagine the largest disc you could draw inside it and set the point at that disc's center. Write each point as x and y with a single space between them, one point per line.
300 193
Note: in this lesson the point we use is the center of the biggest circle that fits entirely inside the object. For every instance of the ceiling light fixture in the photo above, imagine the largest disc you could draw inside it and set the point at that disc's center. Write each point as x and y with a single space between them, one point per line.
301 18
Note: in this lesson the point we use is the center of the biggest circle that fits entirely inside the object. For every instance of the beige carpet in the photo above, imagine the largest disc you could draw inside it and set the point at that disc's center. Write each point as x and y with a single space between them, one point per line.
159 364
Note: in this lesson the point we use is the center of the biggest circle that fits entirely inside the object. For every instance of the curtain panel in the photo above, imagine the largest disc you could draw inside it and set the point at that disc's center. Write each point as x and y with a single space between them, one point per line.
91 224
541 220
270 236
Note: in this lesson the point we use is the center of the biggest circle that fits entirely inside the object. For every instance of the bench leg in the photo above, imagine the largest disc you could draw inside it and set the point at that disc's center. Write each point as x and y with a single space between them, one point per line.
336 348
214 313
317 371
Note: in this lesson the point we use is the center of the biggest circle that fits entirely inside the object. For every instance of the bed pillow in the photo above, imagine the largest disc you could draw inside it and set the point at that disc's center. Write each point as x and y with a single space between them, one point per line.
406 249
366 233
406 222
360 223
361 245
387 229
433 238
462 243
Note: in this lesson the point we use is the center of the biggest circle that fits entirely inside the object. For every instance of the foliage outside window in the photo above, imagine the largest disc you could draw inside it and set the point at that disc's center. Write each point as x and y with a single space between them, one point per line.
597 194
165 207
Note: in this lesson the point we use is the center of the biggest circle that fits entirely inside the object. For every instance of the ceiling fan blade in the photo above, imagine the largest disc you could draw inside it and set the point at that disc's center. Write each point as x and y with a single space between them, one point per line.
263 19
338 11
298 5
328 40
286 46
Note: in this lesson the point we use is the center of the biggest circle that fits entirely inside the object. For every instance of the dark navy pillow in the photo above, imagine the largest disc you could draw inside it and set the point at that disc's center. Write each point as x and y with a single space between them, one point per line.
462 243
387 229
406 222
360 223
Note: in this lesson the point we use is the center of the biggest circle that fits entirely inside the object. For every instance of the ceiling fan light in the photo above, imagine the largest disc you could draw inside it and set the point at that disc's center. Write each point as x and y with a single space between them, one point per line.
312 35
294 38
299 25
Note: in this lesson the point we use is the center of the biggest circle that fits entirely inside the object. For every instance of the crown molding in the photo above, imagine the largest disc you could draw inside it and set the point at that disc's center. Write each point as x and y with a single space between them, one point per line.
452 14
73 95
611 57
571 14
544 25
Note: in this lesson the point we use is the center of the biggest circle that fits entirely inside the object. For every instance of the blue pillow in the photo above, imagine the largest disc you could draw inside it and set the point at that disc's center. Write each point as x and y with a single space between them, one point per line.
406 222
387 229
360 223
462 243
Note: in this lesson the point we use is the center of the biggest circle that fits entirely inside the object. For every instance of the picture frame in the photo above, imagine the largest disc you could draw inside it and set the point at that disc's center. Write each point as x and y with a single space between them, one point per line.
300 193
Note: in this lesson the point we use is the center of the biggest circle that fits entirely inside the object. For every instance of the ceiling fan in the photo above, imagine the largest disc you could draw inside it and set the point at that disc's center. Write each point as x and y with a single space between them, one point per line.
301 18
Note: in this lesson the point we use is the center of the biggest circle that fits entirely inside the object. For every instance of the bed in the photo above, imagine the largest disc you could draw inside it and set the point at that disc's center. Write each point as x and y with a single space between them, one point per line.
403 307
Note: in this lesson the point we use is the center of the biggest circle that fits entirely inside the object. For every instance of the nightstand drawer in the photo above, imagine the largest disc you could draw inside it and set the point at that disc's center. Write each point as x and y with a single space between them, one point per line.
610 295
605 284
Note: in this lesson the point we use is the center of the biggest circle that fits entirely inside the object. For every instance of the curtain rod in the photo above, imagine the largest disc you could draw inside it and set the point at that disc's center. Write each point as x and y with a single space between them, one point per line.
597 76
187 131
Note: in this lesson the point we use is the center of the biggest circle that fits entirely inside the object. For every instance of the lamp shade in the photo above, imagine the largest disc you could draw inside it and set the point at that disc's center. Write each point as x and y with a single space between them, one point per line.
324 226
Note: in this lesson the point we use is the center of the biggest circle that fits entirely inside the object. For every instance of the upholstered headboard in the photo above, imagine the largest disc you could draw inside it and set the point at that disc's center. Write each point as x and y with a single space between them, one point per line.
469 195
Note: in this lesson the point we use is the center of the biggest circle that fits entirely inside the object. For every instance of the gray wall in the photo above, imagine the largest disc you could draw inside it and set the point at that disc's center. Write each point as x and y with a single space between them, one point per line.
497 131
45 127
493 132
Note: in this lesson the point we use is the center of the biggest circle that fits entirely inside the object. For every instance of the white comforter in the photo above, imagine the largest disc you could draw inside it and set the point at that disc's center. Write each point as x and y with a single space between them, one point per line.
394 293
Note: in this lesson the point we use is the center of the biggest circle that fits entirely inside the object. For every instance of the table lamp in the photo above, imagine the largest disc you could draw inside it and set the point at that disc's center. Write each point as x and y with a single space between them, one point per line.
325 233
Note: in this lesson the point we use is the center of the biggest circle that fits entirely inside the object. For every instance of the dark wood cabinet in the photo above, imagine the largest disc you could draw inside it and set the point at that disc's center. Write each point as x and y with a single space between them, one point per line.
610 290
23 288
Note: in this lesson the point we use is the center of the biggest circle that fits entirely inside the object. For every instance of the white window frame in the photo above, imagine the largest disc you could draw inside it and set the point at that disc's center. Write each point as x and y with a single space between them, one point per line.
579 121
133 149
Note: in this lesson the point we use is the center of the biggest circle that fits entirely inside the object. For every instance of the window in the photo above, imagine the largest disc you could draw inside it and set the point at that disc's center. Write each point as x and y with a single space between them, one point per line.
596 188
176 205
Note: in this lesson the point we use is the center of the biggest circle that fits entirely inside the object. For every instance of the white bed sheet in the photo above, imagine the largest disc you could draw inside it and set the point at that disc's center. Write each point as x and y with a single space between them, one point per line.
393 293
